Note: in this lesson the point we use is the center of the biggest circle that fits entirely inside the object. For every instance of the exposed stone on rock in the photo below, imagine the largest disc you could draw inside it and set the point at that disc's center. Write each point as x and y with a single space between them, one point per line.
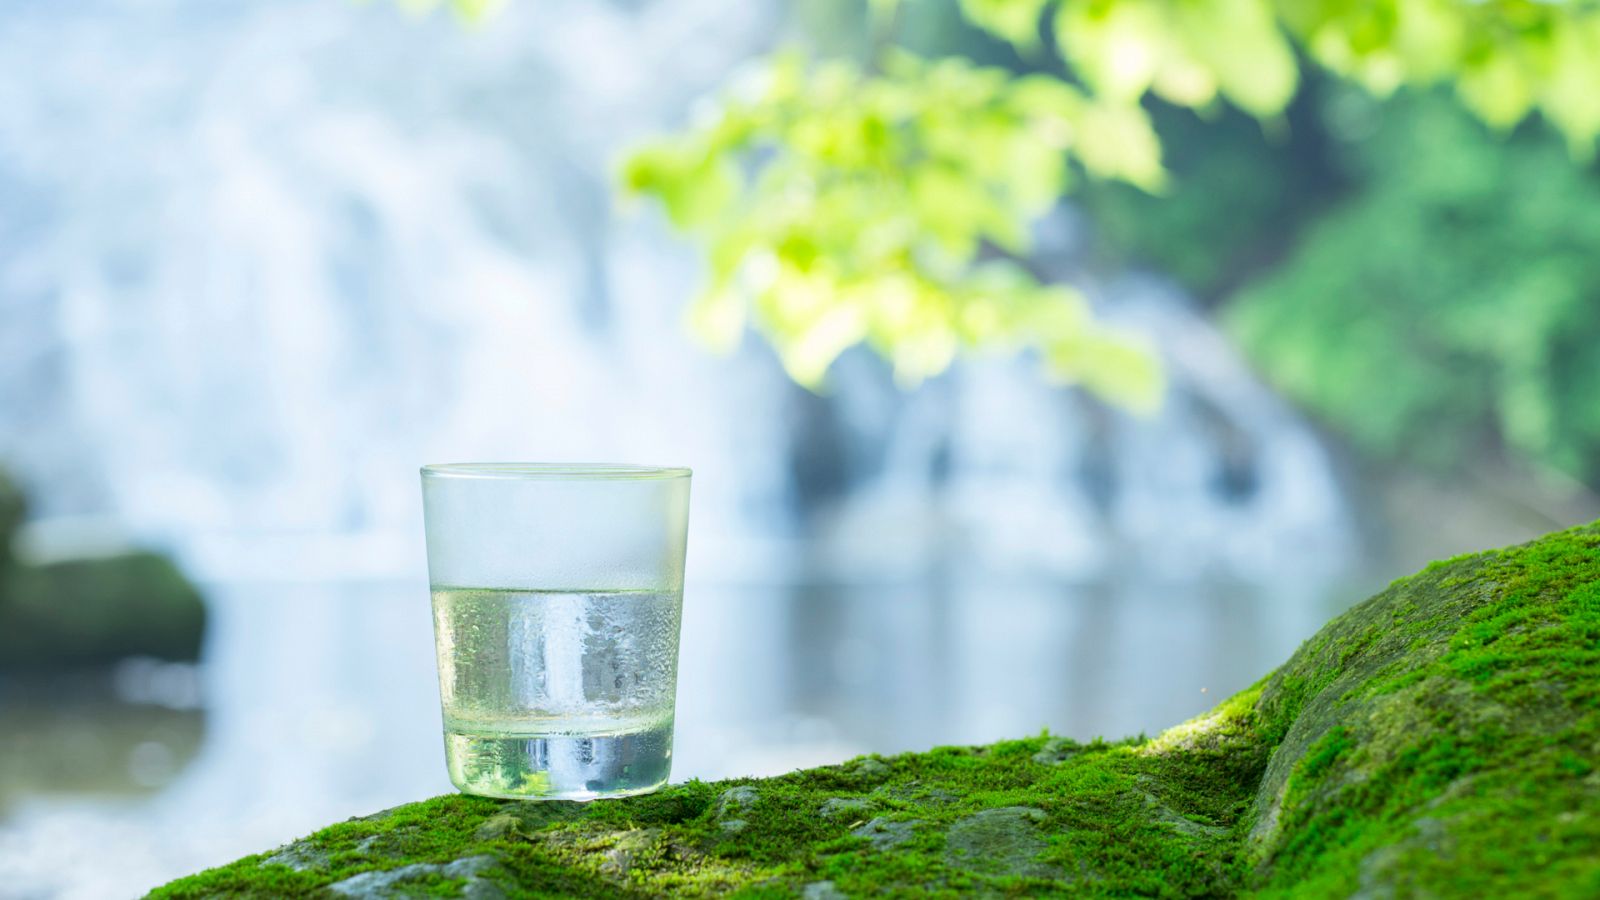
533 815
914 791
1180 823
821 890
1057 750
498 827
401 882
736 798
628 844
886 834
843 807
1004 841
298 856
732 802
389 844
1383 869
867 770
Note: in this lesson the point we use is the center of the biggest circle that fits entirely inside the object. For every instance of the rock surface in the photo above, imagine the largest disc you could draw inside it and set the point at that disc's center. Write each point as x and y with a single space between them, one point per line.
886 834
1004 841
1441 739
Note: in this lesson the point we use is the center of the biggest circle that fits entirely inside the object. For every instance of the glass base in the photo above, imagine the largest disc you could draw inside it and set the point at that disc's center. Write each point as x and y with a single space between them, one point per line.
560 766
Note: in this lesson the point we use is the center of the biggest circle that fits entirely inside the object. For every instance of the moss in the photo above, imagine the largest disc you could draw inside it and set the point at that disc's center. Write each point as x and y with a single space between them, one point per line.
1442 738
1461 765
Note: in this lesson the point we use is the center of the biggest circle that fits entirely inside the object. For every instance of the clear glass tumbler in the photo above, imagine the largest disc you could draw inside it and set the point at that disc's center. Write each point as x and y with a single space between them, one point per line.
557 594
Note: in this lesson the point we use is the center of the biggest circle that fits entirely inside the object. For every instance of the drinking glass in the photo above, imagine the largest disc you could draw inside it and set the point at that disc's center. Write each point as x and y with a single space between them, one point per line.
557 594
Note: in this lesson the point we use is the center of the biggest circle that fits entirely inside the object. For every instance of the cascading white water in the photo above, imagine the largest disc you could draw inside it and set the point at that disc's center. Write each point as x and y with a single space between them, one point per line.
258 260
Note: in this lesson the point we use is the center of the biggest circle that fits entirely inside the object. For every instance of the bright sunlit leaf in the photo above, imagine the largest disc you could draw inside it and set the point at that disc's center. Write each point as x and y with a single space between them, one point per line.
1015 20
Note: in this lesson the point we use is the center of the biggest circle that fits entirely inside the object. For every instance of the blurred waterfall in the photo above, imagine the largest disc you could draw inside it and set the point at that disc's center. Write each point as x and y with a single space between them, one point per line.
259 260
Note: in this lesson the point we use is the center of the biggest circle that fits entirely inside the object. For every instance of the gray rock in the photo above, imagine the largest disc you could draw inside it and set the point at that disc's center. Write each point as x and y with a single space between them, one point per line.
913 792
733 801
1180 823
736 798
1383 871
822 890
867 769
841 807
884 834
1004 841
387 844
1056 751
498 826
629 844
299 856
392 883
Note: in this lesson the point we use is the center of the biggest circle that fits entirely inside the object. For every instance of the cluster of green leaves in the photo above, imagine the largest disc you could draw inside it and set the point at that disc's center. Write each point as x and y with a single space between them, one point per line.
843 204
840 207
1447 303
1506 58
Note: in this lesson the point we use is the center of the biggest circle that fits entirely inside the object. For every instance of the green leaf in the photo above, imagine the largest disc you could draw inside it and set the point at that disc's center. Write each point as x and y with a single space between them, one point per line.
1571 97
1016 21
1238 42
1115 140
1116 47
694 187
1120 368
1498 89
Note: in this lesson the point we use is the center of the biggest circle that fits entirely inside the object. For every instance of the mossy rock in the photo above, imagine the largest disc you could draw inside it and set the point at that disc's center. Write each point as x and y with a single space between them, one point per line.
1441 739
91 611
87 612
13 510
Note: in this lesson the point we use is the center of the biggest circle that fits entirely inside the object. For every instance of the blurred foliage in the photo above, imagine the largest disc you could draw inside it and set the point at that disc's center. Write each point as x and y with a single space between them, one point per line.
1506 58
1447 303
878 202
875 199
13 510
1236 196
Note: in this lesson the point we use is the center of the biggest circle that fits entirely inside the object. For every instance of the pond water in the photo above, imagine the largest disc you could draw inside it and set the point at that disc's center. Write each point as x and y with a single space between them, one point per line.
319 701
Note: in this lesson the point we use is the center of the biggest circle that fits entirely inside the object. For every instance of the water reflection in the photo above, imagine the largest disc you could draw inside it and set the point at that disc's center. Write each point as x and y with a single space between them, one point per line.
810 672
123 733
321 701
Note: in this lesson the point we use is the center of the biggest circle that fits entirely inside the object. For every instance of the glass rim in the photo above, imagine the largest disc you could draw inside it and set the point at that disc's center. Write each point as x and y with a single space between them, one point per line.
544 471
